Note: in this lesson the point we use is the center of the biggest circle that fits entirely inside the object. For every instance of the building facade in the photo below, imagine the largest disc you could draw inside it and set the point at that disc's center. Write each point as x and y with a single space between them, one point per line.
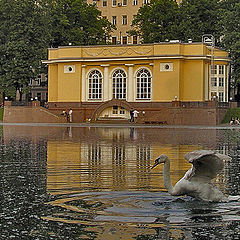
108 81
38 88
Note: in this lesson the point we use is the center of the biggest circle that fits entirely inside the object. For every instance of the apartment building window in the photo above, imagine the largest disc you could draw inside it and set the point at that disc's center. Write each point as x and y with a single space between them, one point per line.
95 85
124 39
114 20
135 2
220 69
114 40
104 3
145 2
214 82
144 84
221 82
134 39
220 97
114 3
124 2
119 81
124 19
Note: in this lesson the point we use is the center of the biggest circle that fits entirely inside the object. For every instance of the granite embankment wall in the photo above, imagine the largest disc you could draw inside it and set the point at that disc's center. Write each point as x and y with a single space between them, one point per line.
23 114
175 113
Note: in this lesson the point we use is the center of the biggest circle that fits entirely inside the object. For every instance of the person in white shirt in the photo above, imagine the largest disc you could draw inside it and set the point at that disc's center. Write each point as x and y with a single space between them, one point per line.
135 115
70 115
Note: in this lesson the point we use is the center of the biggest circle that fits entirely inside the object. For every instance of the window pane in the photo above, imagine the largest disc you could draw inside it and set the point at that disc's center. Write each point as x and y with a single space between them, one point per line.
119 84
144 81
95 85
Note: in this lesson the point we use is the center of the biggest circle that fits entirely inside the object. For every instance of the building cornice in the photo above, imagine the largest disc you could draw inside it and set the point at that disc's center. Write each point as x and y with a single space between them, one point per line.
158 57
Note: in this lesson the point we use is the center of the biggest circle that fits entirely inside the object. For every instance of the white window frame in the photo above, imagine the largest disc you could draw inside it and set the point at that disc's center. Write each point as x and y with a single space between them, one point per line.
123 39
114 20
114 3
135 38
221 81
214 81
220 69
124 19
214 69
95 85
135 2
143 78
221 96
119 84
124 2
104 2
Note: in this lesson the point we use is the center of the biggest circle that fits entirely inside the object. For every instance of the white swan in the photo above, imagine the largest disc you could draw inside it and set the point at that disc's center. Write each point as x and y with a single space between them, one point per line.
197 180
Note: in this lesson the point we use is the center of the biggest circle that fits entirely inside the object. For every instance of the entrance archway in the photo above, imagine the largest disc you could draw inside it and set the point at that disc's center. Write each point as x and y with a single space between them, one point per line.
121 104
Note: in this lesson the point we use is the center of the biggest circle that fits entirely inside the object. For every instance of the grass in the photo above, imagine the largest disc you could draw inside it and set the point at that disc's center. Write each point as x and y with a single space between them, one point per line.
233 112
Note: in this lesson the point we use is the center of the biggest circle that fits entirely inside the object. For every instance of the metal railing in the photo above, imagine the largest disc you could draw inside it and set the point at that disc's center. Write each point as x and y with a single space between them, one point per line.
20 103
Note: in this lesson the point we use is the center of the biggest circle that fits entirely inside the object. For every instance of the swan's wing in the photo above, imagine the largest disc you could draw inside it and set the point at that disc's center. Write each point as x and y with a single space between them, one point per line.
206 165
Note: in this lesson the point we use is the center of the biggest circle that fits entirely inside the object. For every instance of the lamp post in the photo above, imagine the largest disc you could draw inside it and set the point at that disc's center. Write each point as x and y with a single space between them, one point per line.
210 40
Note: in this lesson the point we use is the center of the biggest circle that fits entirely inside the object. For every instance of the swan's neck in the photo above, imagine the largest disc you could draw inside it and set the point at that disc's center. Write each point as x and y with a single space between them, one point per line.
166 176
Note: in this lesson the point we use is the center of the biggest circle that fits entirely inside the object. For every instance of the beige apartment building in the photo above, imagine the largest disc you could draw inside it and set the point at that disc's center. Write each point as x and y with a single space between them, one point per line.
121 14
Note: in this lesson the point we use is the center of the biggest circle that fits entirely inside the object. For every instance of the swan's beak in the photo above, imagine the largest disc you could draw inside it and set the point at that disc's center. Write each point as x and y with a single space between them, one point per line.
155 163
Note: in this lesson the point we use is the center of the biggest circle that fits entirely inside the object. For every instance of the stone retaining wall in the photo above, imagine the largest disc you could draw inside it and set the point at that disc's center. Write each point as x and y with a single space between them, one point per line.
30 115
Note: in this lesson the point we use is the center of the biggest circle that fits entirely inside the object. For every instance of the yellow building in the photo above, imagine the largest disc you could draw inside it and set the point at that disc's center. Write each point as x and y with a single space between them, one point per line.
120 13
108 81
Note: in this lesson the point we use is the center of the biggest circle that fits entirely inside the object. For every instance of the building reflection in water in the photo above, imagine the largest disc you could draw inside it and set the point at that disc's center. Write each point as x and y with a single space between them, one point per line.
108 160
114 160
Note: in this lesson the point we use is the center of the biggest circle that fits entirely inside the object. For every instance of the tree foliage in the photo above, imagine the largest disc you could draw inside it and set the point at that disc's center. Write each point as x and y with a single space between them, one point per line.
199 17
24 37
230 20
162 20
29 27
157 21
76 22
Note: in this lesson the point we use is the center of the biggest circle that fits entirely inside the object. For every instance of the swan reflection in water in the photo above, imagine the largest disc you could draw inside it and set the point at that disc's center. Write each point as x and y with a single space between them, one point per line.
197 180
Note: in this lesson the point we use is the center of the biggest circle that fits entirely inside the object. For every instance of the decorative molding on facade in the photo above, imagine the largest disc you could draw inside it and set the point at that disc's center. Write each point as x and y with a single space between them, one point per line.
119 52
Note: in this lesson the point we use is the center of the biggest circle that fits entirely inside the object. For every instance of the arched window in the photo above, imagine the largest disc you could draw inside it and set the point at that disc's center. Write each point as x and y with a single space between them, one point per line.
144 84
119 84
95 85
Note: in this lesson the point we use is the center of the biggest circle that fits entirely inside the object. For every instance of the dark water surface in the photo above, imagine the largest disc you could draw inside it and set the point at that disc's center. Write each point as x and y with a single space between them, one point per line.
96 183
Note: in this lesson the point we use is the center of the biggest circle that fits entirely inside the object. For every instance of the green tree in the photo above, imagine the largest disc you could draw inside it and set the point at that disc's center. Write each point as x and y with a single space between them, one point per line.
230 20
76 22
29 27
157 21
24 40
199 17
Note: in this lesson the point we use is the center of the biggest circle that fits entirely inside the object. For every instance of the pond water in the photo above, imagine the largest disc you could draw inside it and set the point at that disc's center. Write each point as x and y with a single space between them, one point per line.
61 182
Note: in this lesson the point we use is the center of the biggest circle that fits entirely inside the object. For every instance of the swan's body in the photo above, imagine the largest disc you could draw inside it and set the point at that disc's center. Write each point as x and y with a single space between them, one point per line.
197 180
